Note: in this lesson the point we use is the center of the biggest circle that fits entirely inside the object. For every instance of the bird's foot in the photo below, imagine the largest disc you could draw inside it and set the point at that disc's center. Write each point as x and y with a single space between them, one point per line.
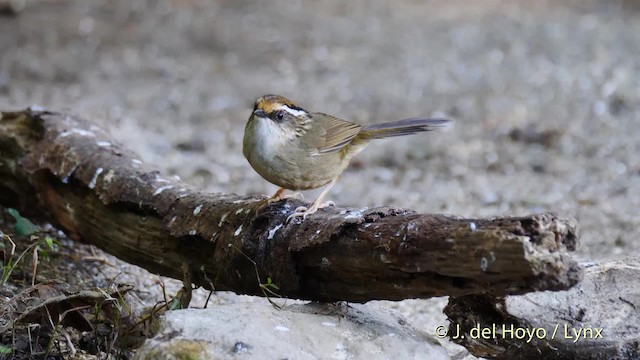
327 204
279 197
303 211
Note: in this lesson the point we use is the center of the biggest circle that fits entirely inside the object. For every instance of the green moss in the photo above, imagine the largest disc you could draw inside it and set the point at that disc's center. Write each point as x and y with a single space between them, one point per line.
178 349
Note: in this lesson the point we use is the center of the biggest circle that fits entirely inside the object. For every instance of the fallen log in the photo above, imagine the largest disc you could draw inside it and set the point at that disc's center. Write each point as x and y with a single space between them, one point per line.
67 171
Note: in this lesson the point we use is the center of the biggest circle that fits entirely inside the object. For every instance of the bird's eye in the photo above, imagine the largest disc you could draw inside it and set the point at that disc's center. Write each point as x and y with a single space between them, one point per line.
280 115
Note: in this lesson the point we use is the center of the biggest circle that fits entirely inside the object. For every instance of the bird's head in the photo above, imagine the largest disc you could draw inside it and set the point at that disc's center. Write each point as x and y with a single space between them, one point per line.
280 113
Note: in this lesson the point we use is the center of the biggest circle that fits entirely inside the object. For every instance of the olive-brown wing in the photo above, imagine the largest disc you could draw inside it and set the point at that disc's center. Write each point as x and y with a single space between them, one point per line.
332 133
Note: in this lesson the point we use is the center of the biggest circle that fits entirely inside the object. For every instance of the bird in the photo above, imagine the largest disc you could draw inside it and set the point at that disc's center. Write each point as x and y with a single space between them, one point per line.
296 149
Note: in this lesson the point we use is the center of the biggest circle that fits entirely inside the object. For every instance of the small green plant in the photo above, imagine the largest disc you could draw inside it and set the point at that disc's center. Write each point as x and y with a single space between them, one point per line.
5 350
270 285
265 288
23 226
7 269
40 248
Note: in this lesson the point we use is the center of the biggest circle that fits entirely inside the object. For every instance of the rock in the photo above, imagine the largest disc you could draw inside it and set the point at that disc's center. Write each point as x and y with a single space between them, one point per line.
302 331
596 319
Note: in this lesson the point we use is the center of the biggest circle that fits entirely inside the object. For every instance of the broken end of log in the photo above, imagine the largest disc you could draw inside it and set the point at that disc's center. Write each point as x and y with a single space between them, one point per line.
597 319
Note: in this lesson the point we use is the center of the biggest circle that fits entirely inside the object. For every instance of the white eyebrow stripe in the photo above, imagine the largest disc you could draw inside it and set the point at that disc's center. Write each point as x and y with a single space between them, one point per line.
291 111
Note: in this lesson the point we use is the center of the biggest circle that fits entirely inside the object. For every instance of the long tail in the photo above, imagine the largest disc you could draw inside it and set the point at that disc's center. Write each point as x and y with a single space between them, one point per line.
401 128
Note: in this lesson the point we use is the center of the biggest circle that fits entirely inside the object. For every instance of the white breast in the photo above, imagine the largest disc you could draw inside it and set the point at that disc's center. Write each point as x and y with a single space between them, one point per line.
266 140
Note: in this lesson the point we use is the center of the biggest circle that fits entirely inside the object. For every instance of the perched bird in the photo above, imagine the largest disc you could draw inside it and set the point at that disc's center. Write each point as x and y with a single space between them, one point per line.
300 150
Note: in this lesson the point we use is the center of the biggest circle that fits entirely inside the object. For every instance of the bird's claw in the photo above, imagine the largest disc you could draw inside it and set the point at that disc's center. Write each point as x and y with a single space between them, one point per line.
303 211
300 211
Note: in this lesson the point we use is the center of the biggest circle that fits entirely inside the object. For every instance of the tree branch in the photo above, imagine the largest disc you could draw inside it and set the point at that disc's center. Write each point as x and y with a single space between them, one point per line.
69 172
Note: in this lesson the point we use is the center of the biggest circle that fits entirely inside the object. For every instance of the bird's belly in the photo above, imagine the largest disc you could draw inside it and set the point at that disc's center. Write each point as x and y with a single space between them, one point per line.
297 171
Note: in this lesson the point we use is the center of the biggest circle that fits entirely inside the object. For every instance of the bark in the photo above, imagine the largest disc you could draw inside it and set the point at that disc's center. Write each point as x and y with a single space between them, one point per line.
597 319
67 171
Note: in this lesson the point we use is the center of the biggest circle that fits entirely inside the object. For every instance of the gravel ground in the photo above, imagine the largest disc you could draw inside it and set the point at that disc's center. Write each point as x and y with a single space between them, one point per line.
545 95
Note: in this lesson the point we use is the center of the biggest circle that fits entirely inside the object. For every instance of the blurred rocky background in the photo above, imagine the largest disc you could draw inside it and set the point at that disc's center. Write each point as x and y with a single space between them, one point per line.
545 94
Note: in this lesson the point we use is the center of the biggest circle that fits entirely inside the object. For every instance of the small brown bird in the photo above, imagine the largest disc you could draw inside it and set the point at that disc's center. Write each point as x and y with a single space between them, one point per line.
300 150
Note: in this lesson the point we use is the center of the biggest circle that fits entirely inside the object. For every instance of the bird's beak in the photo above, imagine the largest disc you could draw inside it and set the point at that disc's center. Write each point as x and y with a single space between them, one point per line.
260 113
